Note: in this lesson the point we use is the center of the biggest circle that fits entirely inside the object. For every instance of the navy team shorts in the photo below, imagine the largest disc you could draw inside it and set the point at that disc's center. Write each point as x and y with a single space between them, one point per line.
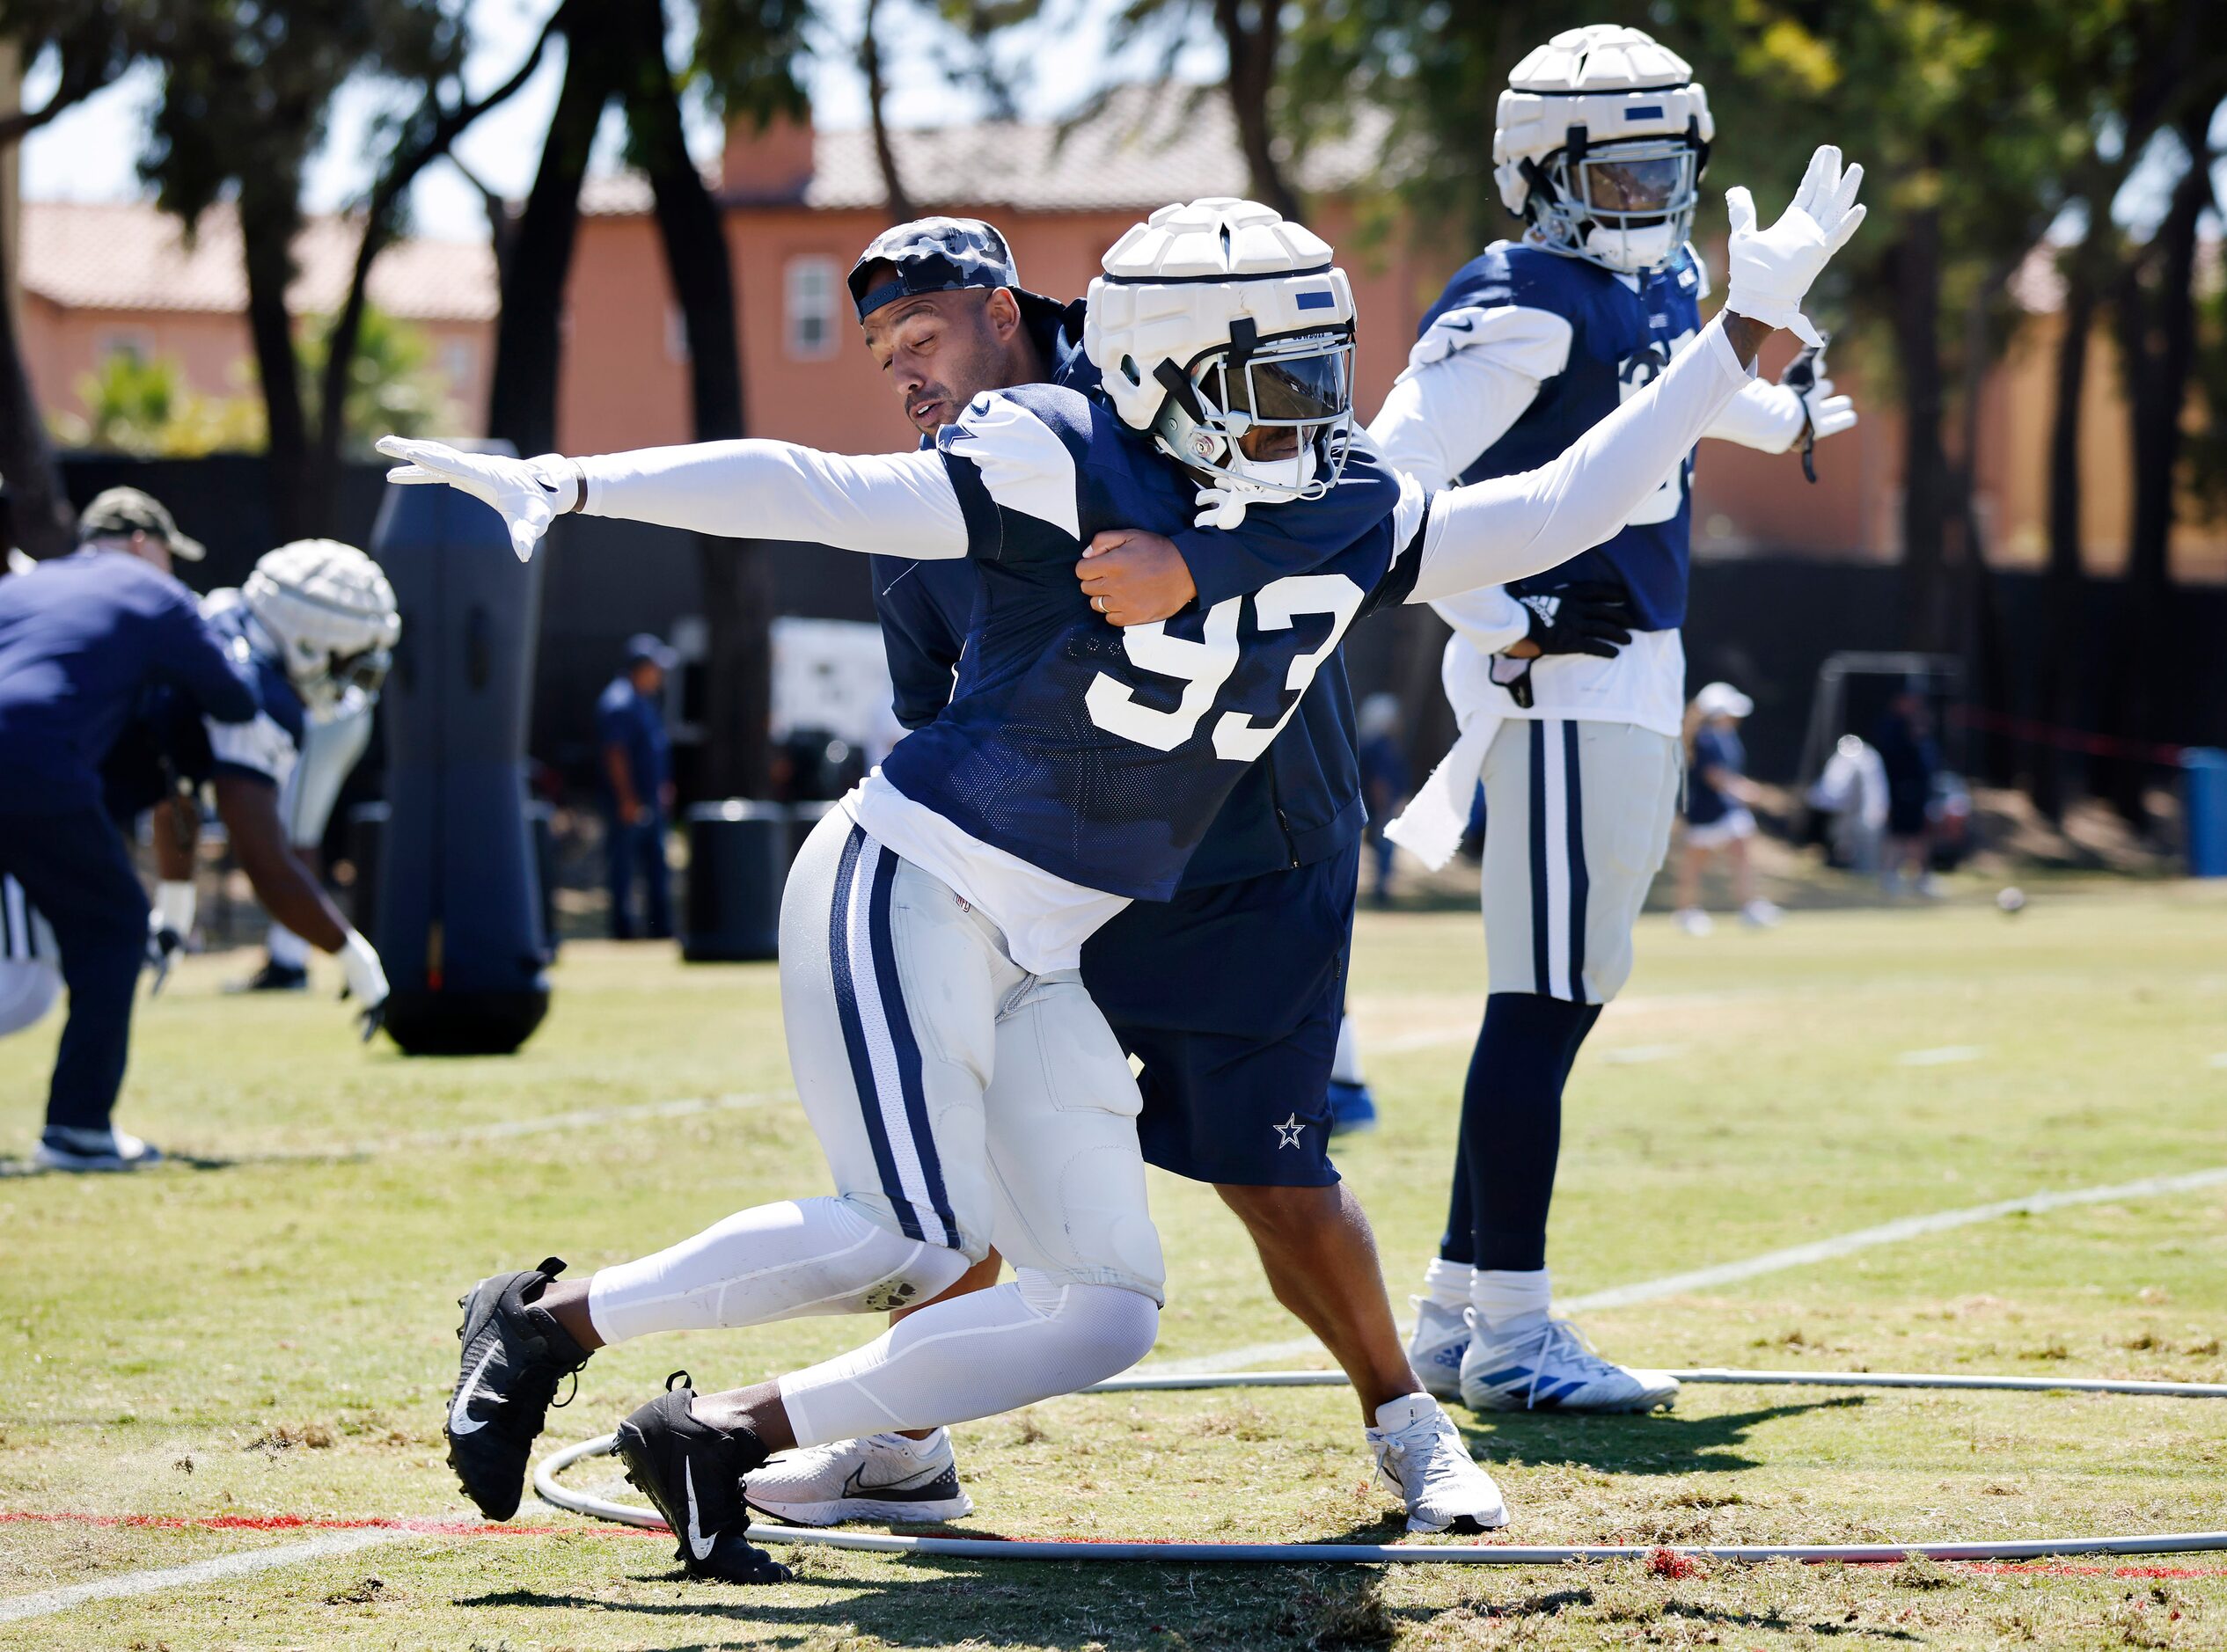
1230 997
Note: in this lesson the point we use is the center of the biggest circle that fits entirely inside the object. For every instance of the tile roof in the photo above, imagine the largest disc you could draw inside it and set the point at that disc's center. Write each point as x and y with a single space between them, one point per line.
133 256
1145 147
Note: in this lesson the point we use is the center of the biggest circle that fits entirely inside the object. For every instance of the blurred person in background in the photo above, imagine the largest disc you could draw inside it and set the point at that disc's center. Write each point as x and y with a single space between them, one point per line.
82 637
1718 818
638 787
1384 781
1904 741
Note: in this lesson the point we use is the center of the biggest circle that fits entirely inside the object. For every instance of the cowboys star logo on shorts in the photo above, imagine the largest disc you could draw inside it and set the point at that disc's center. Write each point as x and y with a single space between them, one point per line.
1287 1132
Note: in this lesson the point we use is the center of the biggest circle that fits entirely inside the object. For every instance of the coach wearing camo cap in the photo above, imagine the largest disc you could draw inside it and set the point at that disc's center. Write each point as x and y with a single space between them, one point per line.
125 519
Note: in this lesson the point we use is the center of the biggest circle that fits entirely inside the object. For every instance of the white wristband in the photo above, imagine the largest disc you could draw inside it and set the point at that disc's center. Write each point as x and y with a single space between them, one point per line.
174 906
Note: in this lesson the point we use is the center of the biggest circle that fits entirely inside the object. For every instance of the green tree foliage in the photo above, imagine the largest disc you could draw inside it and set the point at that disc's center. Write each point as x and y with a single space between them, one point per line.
146 407
393 384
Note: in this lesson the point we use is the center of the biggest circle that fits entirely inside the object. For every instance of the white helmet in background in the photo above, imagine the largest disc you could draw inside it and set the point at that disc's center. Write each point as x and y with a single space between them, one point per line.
331 613
1600 145
1223 329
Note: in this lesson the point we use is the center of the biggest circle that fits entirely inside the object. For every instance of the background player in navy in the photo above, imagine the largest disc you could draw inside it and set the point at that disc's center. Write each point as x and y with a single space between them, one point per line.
81 637
638 787
1235 1063
315 619
1601 140
957 1074
1718 818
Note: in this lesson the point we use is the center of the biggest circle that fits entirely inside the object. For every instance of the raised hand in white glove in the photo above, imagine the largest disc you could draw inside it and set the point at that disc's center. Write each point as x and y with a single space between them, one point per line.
1827 414
526 493
1769 272
366 979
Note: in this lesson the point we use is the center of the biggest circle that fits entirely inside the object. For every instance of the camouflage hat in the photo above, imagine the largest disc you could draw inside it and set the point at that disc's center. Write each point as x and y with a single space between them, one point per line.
126 510
932 255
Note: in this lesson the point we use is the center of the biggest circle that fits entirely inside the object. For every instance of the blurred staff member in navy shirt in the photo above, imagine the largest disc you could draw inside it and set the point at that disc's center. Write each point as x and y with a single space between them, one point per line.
1718 818
637 768
81 638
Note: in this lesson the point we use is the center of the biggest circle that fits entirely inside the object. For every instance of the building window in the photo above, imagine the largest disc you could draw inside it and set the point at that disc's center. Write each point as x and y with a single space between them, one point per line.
459 363
126 341
811 308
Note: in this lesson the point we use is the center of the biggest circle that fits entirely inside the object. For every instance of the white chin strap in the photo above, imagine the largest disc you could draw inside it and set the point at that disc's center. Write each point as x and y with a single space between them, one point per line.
1632 251
1289 475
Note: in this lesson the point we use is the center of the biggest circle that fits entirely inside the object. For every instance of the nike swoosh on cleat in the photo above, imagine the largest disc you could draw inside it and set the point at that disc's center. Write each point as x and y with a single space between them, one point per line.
922 1486
460 1419
700 1546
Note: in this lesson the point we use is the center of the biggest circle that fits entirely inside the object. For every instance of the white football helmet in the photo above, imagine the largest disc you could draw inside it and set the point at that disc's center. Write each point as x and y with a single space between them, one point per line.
331 613
1600 145
1217 318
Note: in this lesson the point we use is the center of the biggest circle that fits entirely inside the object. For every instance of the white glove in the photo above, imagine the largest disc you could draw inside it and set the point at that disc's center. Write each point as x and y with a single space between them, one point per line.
366 980
526 493
168 922
1769 272
1827 414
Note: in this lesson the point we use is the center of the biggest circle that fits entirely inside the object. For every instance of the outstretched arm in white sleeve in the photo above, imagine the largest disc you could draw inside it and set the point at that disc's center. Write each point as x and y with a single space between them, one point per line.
898 504
1515 526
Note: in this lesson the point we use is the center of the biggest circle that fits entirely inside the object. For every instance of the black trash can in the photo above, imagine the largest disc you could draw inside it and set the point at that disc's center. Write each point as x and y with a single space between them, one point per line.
366 830
541 821
738 855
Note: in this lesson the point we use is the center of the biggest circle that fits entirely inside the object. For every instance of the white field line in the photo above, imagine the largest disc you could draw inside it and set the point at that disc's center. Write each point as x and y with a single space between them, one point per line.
499 1131
1770 1262
1945 1054
15 1608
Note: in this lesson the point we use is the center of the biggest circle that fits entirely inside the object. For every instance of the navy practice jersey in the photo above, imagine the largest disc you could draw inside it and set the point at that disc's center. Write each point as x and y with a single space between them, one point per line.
1620 340
1102 755
81 639
187 746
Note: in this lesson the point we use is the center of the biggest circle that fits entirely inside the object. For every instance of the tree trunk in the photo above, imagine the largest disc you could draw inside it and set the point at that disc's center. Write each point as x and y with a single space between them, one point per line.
738 579
269 216
898 200
1915 266
529 339
39 511
1252 33
2065 630
2157 329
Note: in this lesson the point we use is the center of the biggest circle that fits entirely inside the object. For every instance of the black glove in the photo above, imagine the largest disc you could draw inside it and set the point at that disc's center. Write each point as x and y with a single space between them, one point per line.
1590 616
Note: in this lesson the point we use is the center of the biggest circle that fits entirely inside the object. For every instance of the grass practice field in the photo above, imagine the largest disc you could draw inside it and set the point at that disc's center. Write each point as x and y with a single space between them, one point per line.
241 1359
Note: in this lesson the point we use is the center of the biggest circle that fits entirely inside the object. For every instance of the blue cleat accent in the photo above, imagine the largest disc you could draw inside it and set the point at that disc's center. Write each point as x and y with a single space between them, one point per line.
1353 1110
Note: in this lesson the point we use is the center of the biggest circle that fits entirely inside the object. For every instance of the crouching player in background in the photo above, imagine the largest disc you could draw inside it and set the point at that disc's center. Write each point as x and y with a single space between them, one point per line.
1601 143
317 621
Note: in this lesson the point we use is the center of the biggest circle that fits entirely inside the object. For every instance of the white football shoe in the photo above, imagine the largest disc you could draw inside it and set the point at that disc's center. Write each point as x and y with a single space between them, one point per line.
1760 914
1442 1337
1420 1459
885 1476
71 1149
1551 1367
1691 920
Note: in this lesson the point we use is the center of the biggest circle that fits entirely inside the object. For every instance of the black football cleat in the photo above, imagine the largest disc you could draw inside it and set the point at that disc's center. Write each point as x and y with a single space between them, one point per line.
274 976
693 1473
514 1355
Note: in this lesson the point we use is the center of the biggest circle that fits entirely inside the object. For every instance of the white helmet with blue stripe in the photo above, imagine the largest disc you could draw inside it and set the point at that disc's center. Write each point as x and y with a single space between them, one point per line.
1600 144
332 613
1223 329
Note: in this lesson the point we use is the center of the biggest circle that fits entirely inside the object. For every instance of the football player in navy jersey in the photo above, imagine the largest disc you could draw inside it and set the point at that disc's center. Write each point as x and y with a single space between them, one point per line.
1602 139
1235 1065
959 1078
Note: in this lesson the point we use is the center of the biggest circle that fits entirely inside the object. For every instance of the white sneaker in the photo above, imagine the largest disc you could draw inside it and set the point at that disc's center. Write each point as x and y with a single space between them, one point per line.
1420 1459
80 1150
1692 920
885 1476
1760 914
1552 1367
1442 1337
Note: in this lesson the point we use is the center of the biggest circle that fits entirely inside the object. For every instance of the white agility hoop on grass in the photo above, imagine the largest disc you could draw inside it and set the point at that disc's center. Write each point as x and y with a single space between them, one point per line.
546 1485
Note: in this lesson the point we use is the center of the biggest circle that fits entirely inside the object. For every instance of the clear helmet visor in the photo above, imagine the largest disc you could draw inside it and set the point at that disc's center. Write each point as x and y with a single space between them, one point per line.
1629 205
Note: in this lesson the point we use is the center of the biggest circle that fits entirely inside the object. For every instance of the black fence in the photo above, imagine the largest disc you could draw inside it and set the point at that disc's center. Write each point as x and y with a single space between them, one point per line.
1765 623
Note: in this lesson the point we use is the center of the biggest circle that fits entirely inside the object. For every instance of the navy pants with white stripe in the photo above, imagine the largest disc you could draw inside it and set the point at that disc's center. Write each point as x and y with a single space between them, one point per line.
1576 821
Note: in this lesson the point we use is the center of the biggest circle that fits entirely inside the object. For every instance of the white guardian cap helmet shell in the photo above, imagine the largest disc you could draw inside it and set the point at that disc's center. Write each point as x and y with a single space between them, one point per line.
332 614
1218 325
1600 145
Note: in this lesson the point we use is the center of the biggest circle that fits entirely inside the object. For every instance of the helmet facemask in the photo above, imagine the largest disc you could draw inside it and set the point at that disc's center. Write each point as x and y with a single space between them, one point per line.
1627 206
1272 417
